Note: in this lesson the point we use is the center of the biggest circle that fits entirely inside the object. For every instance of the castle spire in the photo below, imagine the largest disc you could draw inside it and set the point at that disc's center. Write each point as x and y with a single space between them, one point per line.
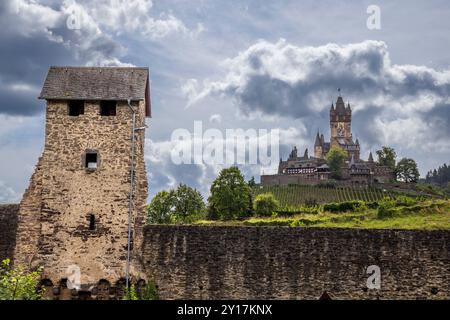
370 157
352 161
340 106
306 156
318 141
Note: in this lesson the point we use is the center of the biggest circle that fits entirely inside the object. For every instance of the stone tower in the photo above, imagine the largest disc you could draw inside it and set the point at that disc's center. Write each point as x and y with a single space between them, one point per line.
340 123
341 129
74 214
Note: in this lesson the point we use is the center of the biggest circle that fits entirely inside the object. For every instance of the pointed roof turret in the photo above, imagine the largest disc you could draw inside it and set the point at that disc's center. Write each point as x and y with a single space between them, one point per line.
340 106
348 109
332 107
318 141
322 138
357 141
352 161
293 153
306 156
370 157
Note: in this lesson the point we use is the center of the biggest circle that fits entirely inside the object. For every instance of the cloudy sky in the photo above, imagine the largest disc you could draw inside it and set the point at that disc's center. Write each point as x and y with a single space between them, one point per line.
235 64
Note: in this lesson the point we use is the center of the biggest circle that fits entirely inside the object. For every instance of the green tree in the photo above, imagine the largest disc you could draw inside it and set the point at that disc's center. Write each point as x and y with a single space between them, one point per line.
266 204
335 159
161 207
387 157
16 284
188 203
407 170
230 196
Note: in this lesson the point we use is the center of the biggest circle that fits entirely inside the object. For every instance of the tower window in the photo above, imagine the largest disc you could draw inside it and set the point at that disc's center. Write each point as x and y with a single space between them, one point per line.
108 108
91 160
76 108
91 222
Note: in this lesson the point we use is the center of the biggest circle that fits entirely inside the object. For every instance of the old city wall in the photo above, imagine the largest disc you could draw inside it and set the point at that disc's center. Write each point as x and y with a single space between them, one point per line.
189 262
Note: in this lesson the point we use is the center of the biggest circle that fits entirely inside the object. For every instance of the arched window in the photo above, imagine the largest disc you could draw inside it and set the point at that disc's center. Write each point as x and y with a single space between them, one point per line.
325 296
103 290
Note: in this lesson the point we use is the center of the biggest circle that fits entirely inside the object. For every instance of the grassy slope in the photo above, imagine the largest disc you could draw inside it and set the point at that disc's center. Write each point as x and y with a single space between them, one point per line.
433 215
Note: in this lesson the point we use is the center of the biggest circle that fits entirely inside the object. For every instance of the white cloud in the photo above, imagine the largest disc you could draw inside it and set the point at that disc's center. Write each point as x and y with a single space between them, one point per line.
130 16
281 79
7 194
87 28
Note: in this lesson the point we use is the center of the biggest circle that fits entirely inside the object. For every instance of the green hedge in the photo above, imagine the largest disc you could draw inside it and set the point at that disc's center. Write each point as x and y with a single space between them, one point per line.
357 205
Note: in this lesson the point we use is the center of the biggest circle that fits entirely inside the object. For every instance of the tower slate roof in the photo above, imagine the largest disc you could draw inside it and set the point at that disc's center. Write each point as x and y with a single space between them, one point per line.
98 83
340 106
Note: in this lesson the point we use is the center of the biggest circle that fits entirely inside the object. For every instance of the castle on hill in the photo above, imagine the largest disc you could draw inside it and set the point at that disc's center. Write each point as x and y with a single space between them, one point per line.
314 169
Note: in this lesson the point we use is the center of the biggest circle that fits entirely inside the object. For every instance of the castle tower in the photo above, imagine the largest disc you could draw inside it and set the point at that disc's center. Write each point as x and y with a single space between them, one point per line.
318 147
340 123
74 214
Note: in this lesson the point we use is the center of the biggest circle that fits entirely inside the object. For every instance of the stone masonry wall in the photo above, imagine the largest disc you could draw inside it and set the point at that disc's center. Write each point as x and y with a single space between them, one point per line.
54 216
295 263
8 226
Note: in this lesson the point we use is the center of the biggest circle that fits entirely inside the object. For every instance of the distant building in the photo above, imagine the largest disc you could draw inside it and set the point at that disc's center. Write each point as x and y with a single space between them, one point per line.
312 170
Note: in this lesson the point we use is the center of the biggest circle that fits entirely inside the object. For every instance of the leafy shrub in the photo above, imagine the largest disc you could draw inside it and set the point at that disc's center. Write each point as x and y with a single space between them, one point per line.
17 284
130 293
345 206
150 292
265 204
386 208
288 211
372 205
405 201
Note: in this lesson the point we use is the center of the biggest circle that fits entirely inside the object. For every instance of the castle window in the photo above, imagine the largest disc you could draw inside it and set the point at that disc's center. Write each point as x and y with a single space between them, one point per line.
91 222
108 108
76 108
91 160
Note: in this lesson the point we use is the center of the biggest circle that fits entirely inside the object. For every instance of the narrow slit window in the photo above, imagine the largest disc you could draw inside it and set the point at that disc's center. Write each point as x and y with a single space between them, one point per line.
91 160
108 108
91 222
76 108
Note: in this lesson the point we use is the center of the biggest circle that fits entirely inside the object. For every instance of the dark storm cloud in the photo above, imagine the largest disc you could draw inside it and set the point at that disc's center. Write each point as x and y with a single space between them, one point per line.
364 127
439 119
34 37
24 64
